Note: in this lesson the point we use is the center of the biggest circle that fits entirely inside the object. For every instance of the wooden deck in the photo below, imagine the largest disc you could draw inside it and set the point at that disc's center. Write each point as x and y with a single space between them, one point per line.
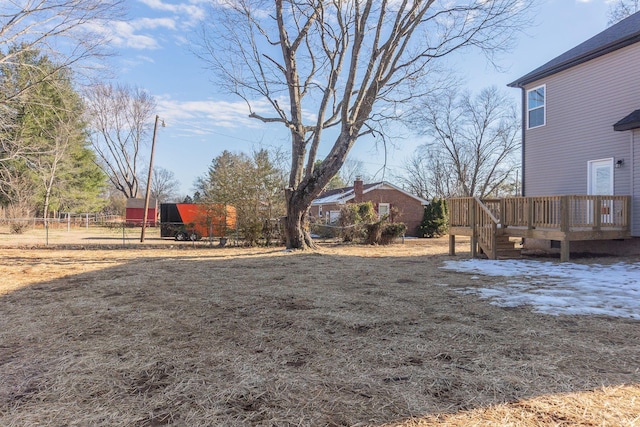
564 218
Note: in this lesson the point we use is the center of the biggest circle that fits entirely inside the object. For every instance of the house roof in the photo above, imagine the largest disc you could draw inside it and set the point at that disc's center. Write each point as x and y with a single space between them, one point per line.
345 194
632 121
622 34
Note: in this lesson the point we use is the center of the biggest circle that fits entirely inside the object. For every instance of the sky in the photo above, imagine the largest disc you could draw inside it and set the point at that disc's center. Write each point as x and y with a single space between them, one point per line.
154 52
557 288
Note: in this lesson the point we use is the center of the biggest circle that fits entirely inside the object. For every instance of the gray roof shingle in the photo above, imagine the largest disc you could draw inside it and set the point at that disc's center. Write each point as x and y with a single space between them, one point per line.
632 121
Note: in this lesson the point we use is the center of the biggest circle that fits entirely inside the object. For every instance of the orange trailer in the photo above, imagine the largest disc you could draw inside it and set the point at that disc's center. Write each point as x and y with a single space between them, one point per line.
191 221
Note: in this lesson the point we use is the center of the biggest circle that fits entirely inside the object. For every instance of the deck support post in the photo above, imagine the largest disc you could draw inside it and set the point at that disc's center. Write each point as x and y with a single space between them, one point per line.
452 244
474 229
565 250
565 245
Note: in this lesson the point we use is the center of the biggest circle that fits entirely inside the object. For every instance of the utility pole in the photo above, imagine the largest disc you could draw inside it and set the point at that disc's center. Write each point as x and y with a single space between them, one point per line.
148 192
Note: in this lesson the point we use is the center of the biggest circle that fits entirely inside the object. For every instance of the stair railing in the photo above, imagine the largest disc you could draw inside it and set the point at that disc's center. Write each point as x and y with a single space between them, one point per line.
485 229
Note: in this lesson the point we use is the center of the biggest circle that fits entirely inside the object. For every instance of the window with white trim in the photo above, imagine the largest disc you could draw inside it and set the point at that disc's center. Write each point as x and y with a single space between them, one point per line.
334 216
383 209
536 103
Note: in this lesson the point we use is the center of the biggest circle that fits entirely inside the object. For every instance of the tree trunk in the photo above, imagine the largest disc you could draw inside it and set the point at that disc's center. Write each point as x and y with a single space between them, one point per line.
295 224
45 208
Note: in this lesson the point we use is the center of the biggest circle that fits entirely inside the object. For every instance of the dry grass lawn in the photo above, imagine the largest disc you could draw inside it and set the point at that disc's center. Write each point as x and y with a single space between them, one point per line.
347 335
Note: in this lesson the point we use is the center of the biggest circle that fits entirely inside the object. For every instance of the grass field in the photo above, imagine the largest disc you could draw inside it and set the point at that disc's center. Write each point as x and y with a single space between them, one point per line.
342 336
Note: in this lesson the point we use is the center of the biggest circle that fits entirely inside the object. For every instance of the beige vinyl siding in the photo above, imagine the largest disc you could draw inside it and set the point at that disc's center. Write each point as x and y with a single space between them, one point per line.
582 105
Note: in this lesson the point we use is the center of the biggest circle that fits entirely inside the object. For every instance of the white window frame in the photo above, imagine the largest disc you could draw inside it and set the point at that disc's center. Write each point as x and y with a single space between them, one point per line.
387 205
543 106
333 216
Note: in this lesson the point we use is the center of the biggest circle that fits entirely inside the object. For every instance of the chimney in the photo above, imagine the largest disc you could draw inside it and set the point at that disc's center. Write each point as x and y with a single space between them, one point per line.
357 190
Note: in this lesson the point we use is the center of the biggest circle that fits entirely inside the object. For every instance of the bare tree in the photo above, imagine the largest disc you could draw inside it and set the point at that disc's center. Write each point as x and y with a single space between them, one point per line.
427 175
352 169
120 120
621 9
67 31
339 65
164 185
473 147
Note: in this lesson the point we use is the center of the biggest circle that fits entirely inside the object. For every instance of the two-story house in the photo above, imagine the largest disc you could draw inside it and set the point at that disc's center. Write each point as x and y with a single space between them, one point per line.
580 155
581 122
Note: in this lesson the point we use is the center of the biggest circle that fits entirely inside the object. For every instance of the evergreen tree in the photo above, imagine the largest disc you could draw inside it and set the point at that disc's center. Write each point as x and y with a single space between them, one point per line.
45 145
254 185
435 219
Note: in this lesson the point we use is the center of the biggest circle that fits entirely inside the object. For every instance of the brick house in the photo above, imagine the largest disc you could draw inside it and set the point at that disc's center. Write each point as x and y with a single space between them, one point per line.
386 198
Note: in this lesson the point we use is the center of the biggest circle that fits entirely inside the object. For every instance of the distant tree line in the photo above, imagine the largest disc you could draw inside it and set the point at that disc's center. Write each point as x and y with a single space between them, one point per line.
46 161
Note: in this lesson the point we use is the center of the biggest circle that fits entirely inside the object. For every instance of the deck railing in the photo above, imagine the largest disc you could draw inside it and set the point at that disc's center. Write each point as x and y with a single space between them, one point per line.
566 212
564 218
549 212
460 211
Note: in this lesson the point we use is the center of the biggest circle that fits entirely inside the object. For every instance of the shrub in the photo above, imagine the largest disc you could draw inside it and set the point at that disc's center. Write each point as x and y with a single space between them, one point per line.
251 231
435 219
18 215
384 232
353 217
18 226
392 231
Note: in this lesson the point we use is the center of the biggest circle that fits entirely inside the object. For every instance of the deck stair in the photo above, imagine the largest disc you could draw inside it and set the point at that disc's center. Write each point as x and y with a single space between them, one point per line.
506 248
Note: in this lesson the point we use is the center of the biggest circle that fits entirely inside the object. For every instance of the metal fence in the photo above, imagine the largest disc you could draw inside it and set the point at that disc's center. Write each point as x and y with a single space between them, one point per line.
88 230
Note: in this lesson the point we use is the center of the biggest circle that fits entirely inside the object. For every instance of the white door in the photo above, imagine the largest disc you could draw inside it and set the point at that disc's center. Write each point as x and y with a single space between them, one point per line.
601 184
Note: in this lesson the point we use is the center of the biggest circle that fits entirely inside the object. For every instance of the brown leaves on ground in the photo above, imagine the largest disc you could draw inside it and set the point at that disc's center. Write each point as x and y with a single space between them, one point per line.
347 335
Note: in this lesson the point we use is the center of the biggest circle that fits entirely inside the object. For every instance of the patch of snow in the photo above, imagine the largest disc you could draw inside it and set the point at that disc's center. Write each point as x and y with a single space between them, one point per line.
552 288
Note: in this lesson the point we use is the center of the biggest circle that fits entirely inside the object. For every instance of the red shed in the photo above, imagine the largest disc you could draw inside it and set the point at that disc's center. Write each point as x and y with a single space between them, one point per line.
135 212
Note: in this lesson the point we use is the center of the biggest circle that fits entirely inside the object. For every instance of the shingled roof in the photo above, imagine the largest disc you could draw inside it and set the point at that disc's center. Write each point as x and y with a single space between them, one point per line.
343 195
632 121
340 194
622 34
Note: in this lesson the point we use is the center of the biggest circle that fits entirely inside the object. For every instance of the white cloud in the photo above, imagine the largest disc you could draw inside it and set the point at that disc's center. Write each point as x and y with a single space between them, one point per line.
124 34
191 12
202 116
144 32
153 23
